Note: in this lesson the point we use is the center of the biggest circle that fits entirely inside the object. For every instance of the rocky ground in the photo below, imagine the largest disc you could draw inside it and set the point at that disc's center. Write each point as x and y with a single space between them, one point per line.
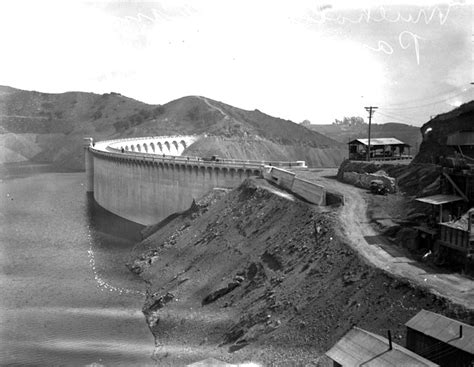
254 274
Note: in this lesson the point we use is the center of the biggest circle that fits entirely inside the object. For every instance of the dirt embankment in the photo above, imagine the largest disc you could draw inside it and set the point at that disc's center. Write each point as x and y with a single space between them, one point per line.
436 131
420 179
259 148
255 274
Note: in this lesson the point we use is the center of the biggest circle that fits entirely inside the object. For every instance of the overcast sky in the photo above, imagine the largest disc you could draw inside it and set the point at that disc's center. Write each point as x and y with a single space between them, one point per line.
315 60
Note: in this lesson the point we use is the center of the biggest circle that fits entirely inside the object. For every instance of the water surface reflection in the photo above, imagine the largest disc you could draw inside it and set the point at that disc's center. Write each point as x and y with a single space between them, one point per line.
67 298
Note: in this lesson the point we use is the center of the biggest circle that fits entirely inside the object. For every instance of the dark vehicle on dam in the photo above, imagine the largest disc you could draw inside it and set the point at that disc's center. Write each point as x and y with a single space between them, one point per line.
213 158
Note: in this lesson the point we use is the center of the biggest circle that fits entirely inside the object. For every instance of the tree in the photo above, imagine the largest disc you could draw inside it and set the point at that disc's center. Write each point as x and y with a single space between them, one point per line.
353 121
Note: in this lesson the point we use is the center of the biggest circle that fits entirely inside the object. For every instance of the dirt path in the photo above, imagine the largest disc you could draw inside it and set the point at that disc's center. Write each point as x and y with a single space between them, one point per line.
378 251
214 107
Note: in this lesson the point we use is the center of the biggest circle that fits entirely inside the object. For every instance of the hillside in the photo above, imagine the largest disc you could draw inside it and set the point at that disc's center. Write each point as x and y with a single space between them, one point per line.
437 130
343 133
251 280
54 125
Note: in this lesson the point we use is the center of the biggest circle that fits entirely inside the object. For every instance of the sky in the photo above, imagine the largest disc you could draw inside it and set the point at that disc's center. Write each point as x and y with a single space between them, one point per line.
299 59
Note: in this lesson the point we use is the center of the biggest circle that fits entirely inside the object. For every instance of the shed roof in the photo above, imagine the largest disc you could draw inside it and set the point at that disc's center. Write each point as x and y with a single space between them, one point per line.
379 141
444 329
463 137
439 199
359 347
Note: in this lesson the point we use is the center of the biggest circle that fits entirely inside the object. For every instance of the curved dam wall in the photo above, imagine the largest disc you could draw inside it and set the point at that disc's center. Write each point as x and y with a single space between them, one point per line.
147 187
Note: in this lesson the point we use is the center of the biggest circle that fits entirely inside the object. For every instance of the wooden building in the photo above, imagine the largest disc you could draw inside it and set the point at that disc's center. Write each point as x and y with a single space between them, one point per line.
362 348
442 340
381 149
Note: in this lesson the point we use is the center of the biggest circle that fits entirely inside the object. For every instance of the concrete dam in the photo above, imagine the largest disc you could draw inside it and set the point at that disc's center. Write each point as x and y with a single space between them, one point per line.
147 179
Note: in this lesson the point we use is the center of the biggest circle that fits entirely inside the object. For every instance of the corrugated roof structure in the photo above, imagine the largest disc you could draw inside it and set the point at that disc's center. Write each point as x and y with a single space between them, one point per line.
461 138
359 347
379 141
439 199
444 329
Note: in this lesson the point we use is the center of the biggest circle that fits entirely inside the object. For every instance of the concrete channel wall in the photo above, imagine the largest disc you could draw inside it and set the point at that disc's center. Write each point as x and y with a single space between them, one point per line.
309 191
148 187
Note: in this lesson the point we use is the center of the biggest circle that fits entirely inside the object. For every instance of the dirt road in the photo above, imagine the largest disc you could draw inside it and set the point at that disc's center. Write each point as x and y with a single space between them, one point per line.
378 251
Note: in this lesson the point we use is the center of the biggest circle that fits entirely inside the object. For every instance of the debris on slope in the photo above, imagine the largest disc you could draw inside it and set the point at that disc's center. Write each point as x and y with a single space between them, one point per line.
253 273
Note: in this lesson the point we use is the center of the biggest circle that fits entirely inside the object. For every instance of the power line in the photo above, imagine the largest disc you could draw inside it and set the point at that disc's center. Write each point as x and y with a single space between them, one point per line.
435 96
370 110
427 104
396 117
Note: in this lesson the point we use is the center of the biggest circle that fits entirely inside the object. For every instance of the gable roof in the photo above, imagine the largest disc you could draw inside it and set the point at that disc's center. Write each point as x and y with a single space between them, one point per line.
359 347
444 329
379 141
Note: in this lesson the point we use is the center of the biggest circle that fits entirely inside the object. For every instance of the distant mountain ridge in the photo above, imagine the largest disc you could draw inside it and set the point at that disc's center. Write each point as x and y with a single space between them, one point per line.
54 125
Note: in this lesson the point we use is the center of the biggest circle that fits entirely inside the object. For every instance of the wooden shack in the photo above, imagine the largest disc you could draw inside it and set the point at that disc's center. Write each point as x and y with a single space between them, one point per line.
359 347
381 149
440 339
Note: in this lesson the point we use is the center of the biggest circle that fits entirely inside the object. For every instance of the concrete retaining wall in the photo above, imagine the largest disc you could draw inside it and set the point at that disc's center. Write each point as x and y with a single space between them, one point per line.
310 191
147 192
282 178
145 179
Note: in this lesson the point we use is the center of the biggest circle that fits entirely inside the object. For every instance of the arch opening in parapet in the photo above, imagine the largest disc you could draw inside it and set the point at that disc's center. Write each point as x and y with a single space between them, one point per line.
160 146
132 147
145 148
152 146
183 143
175 144
126 147
167 145
139 148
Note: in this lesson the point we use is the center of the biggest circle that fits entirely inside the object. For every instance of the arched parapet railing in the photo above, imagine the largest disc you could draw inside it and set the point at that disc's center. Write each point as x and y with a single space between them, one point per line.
154 147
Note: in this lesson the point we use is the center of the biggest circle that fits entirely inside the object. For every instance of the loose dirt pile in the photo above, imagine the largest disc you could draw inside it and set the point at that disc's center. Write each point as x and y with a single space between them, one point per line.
255 274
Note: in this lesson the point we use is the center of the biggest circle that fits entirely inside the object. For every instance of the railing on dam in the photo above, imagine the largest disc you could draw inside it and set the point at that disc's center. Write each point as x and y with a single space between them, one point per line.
116 147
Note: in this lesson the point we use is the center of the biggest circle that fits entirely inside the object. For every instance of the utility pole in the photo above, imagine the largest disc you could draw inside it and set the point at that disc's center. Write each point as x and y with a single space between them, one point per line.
370 110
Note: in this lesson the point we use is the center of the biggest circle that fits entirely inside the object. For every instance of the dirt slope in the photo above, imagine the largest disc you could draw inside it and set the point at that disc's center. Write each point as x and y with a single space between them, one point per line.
262 149
244 276
436 132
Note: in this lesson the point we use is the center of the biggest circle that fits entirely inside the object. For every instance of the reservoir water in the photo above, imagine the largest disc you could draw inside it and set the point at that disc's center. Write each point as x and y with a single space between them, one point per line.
67 298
